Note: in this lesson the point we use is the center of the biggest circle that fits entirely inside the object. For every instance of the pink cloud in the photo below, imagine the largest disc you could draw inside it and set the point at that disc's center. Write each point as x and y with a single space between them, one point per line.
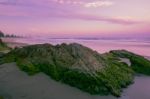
54 9
75 12
96 4
102 18
14 11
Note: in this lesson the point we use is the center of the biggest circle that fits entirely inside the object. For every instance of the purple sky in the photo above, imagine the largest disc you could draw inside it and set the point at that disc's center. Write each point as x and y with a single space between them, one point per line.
97 18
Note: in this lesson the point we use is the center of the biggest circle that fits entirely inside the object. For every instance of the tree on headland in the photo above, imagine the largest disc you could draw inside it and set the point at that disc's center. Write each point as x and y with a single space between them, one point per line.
7 35
1 34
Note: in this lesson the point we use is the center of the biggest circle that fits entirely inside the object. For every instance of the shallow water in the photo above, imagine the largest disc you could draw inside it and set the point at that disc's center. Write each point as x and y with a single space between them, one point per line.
139 90
15 84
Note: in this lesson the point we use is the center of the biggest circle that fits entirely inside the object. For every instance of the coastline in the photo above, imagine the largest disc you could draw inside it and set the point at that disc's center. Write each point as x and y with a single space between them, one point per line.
12 43
16 84
15 44
11 71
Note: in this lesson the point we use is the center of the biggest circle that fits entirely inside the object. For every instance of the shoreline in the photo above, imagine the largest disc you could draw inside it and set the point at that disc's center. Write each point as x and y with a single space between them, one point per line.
12 43
16 84
15 44
9 72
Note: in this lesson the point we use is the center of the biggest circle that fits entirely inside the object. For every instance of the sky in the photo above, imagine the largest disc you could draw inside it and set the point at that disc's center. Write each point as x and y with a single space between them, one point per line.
76 18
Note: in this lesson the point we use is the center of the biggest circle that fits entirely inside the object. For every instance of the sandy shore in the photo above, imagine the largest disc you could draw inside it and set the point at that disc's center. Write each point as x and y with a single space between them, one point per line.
12 43
15 84
15 44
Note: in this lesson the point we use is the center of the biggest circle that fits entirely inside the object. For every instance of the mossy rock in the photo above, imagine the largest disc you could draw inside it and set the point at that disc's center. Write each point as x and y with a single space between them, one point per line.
1 97
138 63
79 66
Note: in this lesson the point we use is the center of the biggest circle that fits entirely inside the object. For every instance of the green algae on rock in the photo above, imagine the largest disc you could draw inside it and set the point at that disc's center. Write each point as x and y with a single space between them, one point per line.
138 63
75 65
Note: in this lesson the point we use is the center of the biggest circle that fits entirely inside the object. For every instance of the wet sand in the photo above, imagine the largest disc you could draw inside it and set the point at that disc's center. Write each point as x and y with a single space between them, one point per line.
12 43
16 84
139 90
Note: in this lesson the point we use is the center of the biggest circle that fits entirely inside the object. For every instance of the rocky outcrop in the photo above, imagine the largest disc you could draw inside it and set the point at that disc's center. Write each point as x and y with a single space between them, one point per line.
138 63
76 65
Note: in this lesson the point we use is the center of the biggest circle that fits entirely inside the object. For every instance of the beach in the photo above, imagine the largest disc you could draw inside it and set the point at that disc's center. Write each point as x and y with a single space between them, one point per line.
12 43
74 49
16 84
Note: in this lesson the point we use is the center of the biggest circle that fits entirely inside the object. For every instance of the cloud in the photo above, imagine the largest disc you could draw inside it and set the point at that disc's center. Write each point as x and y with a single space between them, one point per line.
73 2
88 4
96 4
7 2
67 15
17 3
82 3
57 11
112 20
